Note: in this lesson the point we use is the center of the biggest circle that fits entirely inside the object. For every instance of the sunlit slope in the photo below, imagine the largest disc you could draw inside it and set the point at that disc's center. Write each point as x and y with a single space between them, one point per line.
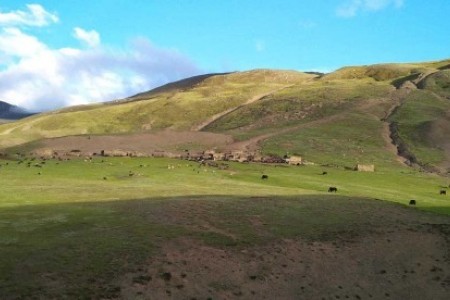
302 103
385 72
350 116
172 108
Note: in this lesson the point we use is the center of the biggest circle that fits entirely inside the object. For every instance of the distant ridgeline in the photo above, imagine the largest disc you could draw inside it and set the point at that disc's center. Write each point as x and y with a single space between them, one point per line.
12 112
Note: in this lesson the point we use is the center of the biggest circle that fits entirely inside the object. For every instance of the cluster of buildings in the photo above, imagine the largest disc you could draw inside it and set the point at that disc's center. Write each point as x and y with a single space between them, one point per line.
200 156
208 155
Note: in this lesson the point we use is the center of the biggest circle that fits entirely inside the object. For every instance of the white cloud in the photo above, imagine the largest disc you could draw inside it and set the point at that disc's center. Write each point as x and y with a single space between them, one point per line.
352 7
38 77
91 38
14 42
35 16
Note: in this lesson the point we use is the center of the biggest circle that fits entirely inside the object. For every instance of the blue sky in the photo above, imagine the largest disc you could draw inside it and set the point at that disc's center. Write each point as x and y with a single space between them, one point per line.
59 53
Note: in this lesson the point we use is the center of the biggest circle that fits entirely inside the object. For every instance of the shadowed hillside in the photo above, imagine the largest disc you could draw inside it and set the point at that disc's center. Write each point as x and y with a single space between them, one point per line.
10 112
381 114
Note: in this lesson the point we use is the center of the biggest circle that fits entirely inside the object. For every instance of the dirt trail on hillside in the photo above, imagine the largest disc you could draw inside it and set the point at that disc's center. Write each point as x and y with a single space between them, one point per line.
386 132
390 146
253 143
230 110
398 97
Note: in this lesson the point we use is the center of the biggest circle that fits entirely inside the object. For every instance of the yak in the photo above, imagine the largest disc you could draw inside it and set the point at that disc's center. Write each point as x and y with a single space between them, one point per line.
332 189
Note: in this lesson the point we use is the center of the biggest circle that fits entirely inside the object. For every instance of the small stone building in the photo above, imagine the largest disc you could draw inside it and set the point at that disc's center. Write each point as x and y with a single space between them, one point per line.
365 168
219 156
294 160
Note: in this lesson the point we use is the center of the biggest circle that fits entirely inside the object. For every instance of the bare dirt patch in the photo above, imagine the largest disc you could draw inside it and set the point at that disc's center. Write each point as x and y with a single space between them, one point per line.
391 265
142 142
399 256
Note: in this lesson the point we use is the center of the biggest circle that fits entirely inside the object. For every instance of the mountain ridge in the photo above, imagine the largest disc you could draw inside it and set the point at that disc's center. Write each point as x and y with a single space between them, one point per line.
12 112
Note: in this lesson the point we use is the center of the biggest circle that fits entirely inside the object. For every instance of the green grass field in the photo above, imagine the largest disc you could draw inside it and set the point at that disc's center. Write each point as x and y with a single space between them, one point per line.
79 225
81 181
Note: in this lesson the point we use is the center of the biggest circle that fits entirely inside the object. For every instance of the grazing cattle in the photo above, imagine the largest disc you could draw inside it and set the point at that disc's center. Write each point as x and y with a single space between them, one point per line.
104 178
332 189
412 202
324 173
265 176
443 192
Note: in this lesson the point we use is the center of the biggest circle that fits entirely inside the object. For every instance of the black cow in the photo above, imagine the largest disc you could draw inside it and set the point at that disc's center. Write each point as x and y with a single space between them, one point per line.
332 189
265 176
442 192
412 202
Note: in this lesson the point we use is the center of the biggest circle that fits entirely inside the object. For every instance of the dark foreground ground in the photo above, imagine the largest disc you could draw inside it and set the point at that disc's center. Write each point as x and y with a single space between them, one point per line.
305 247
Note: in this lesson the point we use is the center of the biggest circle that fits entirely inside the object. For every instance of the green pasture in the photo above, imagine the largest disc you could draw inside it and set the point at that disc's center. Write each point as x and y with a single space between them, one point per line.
109 179
73 228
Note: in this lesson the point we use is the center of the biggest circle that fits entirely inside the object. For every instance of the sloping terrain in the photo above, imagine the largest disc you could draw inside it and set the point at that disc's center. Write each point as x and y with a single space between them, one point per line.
178 110
354 115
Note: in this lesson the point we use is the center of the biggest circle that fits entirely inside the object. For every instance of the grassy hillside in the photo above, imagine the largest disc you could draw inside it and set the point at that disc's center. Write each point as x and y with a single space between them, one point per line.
168 109
438 82
300 103
343 142
337 118
423 123
385 72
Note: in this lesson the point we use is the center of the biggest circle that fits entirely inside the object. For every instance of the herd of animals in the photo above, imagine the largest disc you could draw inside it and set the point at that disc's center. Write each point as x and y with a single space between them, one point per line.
331 189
